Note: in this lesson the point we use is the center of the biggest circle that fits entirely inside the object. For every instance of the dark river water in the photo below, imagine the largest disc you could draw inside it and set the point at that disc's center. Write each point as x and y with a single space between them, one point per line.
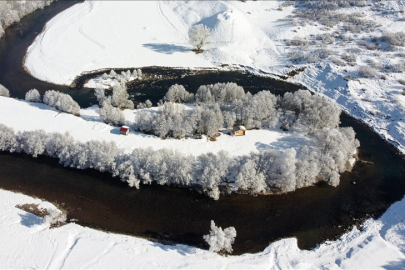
172 215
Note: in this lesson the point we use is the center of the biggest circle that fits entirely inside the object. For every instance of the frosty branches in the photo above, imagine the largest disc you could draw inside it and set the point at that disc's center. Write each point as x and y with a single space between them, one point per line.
61 102
199 36
220 240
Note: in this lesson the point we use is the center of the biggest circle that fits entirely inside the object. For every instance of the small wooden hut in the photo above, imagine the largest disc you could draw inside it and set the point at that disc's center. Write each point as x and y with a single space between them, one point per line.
124 130
239 131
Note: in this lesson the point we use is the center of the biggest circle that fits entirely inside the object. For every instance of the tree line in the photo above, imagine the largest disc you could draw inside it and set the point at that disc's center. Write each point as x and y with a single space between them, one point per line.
326 155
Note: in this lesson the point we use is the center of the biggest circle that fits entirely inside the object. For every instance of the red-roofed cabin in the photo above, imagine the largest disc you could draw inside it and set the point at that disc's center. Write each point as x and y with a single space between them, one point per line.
124 130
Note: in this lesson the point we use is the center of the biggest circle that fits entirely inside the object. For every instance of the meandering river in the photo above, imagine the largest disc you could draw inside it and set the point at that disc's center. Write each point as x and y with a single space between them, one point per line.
173 215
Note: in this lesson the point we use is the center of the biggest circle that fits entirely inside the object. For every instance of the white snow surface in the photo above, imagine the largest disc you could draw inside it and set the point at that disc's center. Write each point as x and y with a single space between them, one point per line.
29 243
129 34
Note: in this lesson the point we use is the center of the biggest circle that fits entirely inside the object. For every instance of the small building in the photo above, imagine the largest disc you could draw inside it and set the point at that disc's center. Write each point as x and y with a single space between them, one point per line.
239 131
124 130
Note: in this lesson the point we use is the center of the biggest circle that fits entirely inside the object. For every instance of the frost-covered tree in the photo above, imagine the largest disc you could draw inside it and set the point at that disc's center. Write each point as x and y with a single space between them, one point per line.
99 92
148 103
219 92
33 96
104 76
111 115
249 178
220 240
4 91
57 143
199 35
120 97
177 93
31 142
113 73
139 73
8 140
211 169
62 102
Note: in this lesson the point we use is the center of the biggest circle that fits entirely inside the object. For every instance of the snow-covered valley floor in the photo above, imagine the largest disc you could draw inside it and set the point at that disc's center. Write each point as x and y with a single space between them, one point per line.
145 33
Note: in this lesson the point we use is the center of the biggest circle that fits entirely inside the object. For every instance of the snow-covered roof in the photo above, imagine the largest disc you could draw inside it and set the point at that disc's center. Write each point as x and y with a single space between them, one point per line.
239 128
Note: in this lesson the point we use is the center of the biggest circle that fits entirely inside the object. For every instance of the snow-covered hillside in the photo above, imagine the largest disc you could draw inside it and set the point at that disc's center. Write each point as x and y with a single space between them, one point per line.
146 33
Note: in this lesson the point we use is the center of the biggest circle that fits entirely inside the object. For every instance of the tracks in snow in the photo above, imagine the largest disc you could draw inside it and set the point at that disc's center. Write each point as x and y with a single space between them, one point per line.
90 39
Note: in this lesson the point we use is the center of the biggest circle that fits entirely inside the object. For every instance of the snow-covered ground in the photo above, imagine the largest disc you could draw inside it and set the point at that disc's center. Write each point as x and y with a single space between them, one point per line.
29 243
23 115
129 34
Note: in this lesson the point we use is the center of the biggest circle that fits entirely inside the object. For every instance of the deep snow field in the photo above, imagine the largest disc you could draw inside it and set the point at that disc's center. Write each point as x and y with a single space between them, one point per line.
132 34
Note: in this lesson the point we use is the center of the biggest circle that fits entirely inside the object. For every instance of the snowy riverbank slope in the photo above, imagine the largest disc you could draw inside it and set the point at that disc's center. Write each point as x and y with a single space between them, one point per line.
29 243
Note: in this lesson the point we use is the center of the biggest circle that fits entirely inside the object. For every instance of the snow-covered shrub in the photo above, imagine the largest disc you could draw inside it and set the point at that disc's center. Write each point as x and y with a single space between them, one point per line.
399 67
148 103
4 91
33 96
376 64
298 41
177 93
55 217
139 73
113 73
220 240
401 81
367 72
338 61
395 39
111 115
199 35
62 102
328 38
8 140
349 57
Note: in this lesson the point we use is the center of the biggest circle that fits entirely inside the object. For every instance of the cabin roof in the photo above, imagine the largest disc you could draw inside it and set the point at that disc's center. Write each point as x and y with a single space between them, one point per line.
236 128
124 128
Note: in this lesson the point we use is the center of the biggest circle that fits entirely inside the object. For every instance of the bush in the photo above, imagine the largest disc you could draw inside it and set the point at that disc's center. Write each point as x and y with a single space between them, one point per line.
4 91
395 39
220 240
111 115
367 72
349 57
338 61
61 102
33 96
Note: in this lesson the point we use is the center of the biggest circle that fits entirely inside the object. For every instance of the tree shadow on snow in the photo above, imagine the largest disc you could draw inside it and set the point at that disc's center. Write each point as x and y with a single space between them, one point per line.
166 48
395 265
29 220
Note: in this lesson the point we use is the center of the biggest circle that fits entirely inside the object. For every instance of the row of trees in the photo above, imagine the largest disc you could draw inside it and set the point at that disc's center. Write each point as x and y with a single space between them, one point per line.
222 105
326 155
12 11
60 101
